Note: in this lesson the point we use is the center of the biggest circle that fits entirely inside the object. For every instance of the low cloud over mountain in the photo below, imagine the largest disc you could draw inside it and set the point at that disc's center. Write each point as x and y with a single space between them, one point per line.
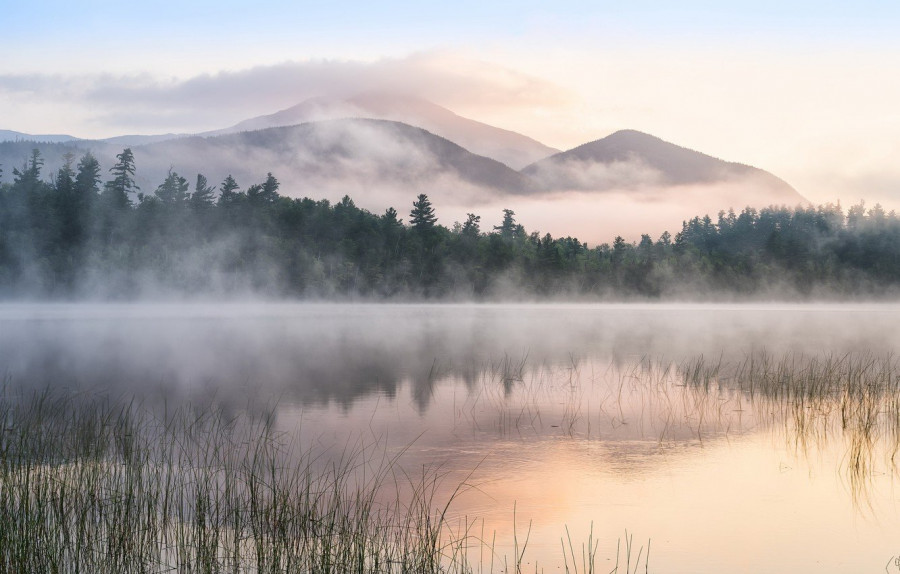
626 183
511 148
359 157
633 160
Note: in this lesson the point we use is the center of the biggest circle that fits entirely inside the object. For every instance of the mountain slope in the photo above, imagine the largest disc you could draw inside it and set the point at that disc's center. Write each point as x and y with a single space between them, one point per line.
505 146
335 156
630 159
13 136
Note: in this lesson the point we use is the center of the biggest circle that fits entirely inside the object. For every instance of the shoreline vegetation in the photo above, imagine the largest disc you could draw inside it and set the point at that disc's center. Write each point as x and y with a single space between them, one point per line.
95 483
78 237
91 484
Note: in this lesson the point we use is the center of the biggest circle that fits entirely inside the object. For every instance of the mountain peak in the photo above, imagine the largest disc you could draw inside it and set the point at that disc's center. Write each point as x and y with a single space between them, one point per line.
508 147
631 159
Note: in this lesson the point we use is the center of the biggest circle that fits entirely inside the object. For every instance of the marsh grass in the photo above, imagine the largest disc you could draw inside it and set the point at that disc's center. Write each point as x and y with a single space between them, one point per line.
852 397
813 398
92 485
856 394
816 402
89 485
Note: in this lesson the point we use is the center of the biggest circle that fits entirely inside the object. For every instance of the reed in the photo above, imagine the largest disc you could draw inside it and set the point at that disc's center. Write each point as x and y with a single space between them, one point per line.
91 485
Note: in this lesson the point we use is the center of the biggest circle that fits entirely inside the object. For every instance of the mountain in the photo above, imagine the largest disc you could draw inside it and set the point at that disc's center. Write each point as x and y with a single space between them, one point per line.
505 146
11 136
124 141
334 157
330 158
625 184
631 159
511 148
136 140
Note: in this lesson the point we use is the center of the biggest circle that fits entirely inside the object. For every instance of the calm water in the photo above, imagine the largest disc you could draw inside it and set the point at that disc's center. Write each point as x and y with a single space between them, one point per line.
558 421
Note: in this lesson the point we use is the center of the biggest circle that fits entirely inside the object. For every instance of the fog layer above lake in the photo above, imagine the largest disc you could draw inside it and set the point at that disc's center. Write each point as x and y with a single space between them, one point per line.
339 352
575 421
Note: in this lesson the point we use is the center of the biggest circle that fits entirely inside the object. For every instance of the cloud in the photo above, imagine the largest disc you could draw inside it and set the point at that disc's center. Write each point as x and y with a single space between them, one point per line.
213 100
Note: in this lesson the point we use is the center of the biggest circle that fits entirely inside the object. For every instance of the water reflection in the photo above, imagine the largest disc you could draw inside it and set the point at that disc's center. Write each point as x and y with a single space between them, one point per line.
737 438
320 353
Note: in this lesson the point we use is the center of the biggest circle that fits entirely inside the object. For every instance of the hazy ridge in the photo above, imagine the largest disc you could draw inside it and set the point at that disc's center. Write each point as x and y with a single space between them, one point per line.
505 146
631 159
383 150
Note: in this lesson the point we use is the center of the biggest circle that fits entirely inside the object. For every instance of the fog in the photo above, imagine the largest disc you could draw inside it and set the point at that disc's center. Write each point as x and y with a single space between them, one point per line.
105 104
597 217
377 163
496 402
382 164
320 353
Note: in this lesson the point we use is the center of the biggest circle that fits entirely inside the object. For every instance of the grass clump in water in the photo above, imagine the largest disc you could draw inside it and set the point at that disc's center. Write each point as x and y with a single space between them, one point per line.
90 485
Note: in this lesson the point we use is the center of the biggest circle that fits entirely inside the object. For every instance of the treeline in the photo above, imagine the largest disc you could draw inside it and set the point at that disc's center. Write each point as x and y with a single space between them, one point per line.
86 234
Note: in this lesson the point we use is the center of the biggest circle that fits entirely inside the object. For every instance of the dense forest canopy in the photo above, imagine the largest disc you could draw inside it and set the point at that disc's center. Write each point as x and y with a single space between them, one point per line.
82 233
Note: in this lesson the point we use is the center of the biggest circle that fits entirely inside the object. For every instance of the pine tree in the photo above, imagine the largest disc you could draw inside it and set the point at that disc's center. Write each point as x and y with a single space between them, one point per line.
422 215
29 178
265 192
508 228
229 191
203 195
173 190
65 177
87 181
471 227
116 192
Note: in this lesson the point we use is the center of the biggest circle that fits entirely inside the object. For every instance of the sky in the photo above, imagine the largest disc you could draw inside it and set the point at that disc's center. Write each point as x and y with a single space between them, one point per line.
806 90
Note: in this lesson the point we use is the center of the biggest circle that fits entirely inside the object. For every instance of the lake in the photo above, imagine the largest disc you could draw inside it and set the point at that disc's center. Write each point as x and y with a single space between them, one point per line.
713 438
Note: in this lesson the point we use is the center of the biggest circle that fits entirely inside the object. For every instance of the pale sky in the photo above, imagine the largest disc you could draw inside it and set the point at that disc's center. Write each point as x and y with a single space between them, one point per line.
807 90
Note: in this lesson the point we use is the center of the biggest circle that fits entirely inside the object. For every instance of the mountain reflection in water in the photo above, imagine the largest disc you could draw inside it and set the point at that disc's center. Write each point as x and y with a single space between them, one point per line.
735 437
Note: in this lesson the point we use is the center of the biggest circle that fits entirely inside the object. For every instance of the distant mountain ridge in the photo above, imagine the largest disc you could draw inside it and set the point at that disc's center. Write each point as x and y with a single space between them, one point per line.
322 147
629 159
505 146
126 140
355 154
13 136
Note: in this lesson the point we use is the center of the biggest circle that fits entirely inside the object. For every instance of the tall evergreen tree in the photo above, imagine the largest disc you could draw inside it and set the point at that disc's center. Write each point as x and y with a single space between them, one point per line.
29 178
471 227
173 190
508 228
204 194
390 217
87 180
422 215
65 177
116 192
229 190
34 166
266 192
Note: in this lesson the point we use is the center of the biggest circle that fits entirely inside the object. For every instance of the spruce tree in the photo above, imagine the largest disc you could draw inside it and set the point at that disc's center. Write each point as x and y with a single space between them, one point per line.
229 191
422 215
116 192
87 180
173 190
472 228
203 195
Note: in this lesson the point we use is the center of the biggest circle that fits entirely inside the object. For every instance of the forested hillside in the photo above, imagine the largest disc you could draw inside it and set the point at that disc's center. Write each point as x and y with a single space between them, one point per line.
82 233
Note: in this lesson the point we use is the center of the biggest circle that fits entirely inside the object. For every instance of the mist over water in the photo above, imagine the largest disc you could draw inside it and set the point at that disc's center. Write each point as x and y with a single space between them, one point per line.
310 352
676 422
